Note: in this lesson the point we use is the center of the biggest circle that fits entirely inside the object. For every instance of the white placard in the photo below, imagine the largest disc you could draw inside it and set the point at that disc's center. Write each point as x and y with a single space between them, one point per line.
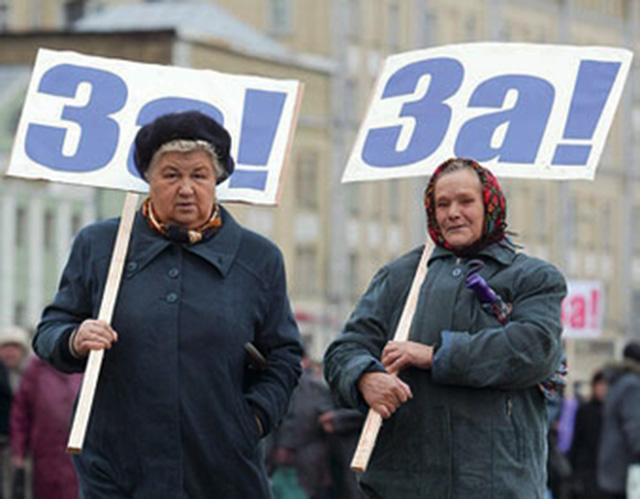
583 309
523 110
82 113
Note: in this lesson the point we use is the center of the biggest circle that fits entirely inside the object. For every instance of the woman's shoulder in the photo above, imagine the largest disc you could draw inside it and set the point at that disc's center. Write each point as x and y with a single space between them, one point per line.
97 238
533 270
402 269
100 230
253 244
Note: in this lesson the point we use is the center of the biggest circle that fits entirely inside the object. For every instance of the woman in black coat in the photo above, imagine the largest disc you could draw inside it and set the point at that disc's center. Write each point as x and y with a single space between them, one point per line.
176 413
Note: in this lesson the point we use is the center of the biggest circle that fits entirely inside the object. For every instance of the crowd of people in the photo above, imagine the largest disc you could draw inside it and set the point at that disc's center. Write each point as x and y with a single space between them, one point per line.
595 441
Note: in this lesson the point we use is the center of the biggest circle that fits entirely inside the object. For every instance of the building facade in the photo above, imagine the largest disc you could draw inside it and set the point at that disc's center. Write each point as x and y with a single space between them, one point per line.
335 236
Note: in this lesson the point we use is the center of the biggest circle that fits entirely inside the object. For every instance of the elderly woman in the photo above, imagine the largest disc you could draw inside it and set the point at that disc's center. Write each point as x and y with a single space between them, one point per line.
177 412
464 416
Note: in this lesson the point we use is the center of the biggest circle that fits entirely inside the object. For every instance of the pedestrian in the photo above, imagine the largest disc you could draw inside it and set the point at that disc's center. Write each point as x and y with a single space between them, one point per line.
342 428
300 442
14 349
40 417
583 454
176 413
620 438
464 415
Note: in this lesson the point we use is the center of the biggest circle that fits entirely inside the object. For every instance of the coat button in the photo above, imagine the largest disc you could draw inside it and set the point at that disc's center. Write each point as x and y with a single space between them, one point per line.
131 266
173 273
456 272
172 298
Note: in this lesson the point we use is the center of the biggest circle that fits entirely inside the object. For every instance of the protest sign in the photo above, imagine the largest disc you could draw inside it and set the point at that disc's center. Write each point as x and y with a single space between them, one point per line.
583 309
81 115
523 110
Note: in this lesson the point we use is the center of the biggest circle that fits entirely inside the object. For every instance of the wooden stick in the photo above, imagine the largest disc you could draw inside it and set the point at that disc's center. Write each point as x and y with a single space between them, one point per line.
373 422
94 363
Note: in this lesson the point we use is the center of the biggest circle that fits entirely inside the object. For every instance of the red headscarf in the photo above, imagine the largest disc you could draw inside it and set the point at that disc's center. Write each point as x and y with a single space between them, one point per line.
495 206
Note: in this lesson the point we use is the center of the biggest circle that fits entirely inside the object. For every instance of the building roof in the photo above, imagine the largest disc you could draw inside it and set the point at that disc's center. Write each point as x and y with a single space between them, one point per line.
195 21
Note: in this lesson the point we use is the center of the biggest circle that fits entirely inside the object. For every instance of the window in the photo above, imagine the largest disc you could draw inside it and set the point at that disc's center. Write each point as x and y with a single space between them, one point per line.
393 27
306 278
76 224
353 19
395 200
353 198
353 283
306 182
4 15
20 314
49 220
280 16
21 225
351 100
73 11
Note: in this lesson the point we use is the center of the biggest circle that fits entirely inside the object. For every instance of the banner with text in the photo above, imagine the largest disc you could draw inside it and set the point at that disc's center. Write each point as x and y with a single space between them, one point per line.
583 310
523 110
82 113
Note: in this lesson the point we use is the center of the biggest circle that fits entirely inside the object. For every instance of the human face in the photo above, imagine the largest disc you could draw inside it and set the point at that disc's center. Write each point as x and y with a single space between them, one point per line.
11 355
182 188
459 208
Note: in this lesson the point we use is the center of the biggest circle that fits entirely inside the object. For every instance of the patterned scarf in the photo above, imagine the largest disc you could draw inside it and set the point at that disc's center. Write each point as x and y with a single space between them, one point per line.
495 208
178 233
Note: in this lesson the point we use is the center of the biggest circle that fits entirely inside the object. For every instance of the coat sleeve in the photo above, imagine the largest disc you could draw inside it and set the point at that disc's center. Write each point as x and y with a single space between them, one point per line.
271 389
71 306
518 355
629 417
22 411
358 349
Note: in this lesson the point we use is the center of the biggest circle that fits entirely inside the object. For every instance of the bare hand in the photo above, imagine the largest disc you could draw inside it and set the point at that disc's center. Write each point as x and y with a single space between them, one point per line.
17 462
93 335
326 421
384 392
398 355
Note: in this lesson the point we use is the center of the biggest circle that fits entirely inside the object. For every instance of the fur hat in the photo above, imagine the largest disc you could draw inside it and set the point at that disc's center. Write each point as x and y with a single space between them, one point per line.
187 125
14 335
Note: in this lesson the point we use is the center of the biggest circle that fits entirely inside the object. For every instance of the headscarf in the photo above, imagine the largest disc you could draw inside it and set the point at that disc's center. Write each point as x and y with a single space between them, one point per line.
495 207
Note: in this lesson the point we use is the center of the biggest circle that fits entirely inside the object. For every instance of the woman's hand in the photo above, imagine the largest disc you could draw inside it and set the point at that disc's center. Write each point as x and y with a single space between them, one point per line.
383 392
398 355
92 335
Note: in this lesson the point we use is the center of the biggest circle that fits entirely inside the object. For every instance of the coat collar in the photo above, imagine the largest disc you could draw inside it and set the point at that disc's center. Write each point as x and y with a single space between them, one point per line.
219 250
502 252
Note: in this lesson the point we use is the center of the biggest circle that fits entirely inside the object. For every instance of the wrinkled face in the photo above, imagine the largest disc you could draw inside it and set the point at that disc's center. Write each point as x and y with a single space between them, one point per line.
182 187
459 208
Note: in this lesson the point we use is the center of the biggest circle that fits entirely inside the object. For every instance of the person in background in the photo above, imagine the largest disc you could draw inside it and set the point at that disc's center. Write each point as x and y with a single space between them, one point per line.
300 443
464 412
40 417
583 454
342 428
620 438
14 350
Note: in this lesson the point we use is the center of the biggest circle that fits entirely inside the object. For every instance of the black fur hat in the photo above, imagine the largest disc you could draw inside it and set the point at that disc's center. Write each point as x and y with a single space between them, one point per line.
187 125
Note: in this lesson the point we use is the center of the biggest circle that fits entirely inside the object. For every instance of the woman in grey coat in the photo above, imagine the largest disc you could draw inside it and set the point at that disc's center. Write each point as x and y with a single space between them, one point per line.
177 413
464 416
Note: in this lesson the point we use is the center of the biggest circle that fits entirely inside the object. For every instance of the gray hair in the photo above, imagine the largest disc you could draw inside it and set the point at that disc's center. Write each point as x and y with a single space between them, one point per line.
186 146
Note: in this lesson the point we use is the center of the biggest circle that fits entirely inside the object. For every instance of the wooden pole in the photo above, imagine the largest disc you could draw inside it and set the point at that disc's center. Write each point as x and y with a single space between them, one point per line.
94 362
373 422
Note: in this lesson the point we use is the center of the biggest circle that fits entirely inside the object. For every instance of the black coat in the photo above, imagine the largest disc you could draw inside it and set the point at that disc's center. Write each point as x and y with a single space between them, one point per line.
173 414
